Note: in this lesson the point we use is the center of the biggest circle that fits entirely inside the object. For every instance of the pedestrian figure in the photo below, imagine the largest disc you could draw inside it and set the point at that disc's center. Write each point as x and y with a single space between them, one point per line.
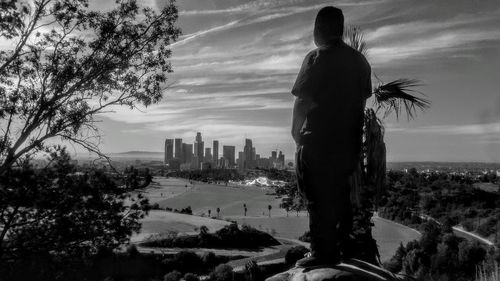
331 91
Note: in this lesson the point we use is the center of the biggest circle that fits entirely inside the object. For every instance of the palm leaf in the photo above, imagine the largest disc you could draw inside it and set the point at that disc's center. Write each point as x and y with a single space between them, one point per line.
399 95
355 38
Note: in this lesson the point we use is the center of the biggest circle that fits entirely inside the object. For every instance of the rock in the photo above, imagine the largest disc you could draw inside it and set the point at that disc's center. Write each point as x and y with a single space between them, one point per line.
352 270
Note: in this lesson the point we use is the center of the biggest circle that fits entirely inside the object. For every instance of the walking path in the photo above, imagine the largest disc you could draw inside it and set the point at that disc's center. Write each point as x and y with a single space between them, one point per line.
460 230
482 239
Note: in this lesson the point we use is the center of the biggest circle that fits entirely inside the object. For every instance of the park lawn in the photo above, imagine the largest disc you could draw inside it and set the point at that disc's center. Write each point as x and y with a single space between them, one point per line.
163 188
487 186
159 221
202 197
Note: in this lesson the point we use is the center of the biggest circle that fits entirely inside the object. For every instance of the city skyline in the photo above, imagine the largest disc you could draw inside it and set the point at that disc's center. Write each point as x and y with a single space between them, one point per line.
237 60
178 154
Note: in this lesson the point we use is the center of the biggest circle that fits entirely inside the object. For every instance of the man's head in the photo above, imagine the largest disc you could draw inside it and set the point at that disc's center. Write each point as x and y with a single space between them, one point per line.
329 25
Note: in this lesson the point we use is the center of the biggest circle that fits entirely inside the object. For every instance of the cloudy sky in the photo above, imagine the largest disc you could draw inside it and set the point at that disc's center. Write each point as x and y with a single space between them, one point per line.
237 61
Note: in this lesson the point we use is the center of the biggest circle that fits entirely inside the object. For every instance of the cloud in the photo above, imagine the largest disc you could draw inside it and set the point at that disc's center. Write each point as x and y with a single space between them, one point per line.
185 39
446 42
469 129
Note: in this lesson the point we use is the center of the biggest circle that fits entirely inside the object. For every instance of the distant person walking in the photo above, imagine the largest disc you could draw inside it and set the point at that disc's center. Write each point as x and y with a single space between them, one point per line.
331 91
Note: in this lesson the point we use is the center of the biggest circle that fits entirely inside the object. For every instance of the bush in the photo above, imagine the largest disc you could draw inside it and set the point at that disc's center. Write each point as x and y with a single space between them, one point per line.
132 251
191 277
468 225
306 237
210 260
222 272
187 261
228 237
172 276
294 254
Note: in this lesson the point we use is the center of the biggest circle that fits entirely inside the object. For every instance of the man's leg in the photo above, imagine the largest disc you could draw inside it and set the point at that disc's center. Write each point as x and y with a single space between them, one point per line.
320 189
344 211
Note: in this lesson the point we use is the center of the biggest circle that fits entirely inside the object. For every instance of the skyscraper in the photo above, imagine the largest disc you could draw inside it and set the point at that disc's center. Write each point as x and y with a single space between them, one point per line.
169 150
241 160
215 155
208 155
187 153
178 148
273 155
248 152
228 152
199 147
281 159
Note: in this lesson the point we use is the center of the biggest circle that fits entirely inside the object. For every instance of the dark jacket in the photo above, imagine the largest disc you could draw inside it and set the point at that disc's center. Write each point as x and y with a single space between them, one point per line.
331 89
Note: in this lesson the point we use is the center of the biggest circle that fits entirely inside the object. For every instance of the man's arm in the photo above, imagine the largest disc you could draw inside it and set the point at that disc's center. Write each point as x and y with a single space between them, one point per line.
367 90
306 84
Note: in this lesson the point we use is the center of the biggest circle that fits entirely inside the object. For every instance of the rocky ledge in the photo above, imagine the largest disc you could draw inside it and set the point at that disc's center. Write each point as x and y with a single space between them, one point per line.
352 270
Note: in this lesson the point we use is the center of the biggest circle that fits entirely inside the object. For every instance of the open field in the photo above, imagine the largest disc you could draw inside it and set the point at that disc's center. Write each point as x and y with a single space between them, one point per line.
202 197
487 186
162 221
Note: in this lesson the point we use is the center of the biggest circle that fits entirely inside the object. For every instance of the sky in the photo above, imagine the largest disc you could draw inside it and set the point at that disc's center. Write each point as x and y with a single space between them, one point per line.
237 60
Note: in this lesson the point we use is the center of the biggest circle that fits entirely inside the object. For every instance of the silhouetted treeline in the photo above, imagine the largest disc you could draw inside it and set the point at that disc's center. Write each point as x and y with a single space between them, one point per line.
229 237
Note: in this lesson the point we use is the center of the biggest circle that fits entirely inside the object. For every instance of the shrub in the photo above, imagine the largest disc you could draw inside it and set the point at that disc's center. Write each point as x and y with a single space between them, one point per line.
222 272
191 277
306 237
187 261
210 260
468 225
294 254
132 251
172 276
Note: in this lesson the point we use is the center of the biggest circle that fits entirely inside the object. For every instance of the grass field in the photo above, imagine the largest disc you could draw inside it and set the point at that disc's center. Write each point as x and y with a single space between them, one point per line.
202 197
487 186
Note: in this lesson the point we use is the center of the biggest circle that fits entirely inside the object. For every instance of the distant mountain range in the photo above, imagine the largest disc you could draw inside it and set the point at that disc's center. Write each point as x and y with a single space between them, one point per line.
390 165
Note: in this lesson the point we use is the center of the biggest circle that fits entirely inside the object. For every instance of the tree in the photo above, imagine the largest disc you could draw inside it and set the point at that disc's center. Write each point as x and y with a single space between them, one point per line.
69 63
209 212
245 209
368 182
269 207
173 276
222 272
58 211
218 212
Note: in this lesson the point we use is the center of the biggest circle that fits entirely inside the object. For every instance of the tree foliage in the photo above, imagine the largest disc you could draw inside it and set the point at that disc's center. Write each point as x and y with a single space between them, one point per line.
69 63
58 211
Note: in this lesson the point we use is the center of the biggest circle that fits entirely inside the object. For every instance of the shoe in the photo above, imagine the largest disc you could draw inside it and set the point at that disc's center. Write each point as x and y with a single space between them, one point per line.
313 261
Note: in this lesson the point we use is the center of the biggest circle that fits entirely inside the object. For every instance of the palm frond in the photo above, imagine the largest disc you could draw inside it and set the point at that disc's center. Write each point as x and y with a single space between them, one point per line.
353 36
399 95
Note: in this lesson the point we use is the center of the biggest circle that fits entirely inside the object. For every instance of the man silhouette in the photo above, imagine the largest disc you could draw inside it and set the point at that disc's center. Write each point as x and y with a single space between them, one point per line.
331 91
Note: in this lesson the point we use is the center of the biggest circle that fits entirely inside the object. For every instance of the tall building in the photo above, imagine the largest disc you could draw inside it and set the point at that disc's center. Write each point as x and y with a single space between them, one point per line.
215 155
178 148
281 159
274 156
169 150
187 153
208 155
199 147
228 152
248 152
241 160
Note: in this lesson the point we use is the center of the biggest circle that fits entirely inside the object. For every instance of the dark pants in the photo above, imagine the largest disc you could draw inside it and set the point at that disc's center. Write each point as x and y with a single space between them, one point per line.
325 185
